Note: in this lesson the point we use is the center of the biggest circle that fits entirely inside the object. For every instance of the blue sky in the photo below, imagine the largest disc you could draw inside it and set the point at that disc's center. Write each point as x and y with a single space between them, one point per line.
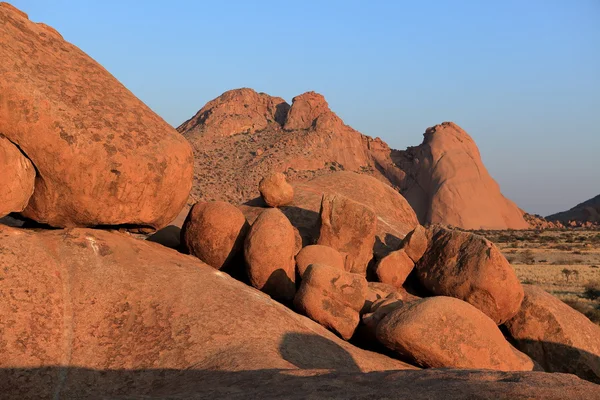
522 77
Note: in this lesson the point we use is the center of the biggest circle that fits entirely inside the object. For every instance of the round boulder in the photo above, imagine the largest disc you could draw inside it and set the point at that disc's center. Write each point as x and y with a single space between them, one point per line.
471 268
269 253
444 332
275 190
318 254
214 232
332 297
555 335
394 268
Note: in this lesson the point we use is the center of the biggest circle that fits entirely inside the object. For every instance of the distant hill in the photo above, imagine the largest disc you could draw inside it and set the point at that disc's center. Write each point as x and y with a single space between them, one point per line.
243 135
588 211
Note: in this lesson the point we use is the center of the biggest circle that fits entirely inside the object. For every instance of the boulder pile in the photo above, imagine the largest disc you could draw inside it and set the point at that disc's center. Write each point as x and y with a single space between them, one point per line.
304 289
470 304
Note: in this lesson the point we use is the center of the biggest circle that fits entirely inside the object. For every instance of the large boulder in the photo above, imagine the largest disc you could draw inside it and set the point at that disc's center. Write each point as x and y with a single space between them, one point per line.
348 227
102 156
332 297
394 268
138 314
215 232
275 190
17 178
555 335
395 217
269 251
446 183
444 332
471 268
317 254
415 244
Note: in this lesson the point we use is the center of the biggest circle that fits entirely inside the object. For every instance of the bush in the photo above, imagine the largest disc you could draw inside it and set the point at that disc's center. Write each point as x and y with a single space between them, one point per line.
592 290
527 257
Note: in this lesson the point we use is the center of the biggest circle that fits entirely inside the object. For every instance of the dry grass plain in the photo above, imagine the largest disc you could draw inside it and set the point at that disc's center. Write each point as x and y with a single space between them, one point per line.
565 263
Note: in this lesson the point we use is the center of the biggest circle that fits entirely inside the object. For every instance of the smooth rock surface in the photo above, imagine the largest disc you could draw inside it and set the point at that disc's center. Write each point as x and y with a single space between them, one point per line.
555 335
269 253
215 232
444 332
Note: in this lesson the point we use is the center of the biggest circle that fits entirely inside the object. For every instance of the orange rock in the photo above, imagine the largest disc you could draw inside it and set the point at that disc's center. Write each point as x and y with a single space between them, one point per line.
275 190
102 157
234 112
269 253
442 332
122 308
317 254
16 179
215 232
350 228
555 335
471 268
415 243
447 183
394 268
332 297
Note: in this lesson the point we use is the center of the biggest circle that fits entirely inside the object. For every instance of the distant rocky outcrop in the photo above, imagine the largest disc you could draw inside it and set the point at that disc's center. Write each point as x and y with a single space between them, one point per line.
242 136
583 214
101 156
447 183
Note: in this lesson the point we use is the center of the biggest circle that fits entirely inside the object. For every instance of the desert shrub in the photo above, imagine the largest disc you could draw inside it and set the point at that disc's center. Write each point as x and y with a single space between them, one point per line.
564 247
594 266
527 257
543 261
577 252
577 261
592 290
568 273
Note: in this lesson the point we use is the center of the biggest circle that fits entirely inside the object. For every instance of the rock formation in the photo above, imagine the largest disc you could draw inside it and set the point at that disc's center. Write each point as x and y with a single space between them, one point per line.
443 178
332 297
445 332
318 254
446 183
269 251
556 336
348 227
275 190
395 217
17 178
101 156
88 313
471 268
215 232
586 212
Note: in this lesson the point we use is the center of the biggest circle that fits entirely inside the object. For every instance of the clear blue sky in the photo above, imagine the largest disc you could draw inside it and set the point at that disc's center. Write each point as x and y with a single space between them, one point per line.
522 77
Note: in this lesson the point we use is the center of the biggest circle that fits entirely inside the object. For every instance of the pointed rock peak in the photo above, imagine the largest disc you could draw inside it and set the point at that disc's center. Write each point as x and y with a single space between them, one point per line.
237 111
449 135
309 110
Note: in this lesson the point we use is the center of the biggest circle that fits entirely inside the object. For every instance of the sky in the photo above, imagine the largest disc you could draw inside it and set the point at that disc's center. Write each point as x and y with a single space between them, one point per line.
521 77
